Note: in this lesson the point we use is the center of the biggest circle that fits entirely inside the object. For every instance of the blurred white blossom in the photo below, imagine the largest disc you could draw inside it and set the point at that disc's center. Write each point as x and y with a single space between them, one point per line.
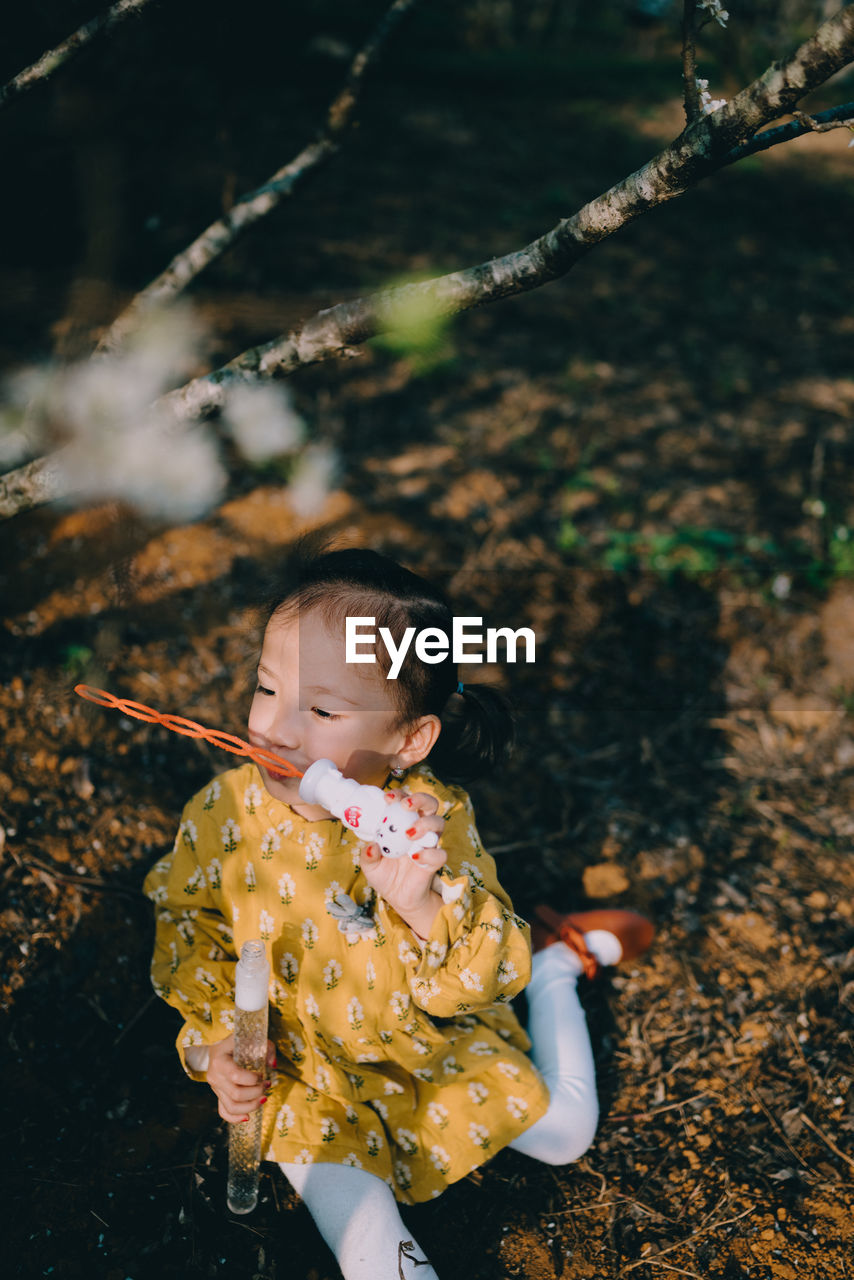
22 431
125 446
312 479
116 436
160 466
716 10
707 102
263 421
781 586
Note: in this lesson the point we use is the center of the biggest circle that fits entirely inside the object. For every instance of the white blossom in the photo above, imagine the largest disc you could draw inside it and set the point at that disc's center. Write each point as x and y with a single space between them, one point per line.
708 104
716 10
312 479
262 420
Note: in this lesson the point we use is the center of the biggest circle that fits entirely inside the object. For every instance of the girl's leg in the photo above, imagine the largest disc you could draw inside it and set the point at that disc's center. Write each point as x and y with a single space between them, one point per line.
357 1215
560 1049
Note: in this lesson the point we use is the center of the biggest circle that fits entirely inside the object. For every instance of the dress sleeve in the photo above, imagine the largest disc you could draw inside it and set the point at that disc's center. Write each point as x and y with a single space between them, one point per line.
194 958
479 951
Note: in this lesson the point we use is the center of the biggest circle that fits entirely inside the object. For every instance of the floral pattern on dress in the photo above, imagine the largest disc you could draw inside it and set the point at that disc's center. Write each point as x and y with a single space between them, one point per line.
395 1054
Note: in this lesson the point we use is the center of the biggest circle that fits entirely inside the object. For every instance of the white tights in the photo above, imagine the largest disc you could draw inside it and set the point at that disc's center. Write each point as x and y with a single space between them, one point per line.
356 1212
357 1215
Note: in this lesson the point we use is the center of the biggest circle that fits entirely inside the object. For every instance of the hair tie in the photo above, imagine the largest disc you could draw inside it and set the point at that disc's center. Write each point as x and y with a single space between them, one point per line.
459 686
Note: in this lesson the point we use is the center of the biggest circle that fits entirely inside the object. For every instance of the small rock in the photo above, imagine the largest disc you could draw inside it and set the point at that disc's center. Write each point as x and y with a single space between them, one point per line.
605 880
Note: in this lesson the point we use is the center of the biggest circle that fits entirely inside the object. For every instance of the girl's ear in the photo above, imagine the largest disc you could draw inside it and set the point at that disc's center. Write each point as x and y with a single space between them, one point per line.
419 741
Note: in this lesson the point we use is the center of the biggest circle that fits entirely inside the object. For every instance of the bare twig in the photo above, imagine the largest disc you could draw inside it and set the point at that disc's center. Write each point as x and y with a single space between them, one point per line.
841 117
254 205
827 1141
815 125
81 882
707 145
652 1260
690 89
51 61
778 1129
137 1017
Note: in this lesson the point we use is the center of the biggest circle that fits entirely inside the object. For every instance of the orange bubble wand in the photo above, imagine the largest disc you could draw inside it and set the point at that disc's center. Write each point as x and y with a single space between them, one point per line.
189 729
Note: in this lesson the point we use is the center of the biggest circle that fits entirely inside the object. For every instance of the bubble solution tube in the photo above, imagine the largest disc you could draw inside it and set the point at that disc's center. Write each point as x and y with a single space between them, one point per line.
251 984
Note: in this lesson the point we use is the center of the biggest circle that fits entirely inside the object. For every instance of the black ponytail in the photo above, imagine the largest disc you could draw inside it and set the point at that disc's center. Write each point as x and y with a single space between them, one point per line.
478 733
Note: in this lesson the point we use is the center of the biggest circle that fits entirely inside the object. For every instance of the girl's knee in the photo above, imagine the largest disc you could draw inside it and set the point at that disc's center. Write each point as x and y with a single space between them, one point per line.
567 1136
566 1148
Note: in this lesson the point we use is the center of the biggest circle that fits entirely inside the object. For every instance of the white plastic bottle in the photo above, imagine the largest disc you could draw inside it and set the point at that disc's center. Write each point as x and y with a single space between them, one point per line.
251 986
364 809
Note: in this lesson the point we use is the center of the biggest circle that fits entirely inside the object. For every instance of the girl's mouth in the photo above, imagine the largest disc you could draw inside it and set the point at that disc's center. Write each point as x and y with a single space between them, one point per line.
281 777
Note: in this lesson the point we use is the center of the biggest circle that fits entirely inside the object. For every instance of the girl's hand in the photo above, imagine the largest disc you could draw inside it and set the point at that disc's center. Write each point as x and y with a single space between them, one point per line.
406 883
239 1091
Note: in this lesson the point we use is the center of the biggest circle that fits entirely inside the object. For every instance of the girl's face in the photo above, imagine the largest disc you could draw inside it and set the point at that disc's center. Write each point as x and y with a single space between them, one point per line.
310 704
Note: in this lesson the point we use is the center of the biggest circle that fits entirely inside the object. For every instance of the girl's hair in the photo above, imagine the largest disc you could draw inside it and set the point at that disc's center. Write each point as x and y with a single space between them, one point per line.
477 726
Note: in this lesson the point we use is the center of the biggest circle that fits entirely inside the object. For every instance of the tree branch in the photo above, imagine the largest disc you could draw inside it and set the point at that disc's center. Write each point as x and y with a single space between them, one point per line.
836 118
253 205
702 148
707 145
690 91
51 61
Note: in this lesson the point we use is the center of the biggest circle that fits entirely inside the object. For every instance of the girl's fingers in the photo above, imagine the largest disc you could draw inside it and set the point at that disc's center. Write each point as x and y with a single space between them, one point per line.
421 826
235 1115
246 1093
423 804
419 802
430 859
241 1078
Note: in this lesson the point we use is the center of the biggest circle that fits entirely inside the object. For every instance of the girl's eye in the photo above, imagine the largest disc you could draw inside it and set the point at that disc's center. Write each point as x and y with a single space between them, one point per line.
324 715
260 689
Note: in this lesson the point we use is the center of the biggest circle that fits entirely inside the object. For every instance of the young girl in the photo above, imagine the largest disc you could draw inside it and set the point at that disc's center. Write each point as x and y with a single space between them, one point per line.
395 1065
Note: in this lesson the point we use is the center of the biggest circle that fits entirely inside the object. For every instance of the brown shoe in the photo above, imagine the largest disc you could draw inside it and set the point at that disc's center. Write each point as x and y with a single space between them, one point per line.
633 932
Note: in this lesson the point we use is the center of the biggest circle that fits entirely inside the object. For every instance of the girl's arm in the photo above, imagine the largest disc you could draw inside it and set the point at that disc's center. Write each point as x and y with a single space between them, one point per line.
478 952
194 958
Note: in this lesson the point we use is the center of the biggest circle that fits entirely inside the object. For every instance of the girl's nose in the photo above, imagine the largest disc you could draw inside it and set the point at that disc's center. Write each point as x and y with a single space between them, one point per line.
276 721
284 727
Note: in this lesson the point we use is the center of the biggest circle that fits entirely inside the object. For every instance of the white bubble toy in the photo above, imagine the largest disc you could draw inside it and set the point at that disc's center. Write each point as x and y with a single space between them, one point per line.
364 810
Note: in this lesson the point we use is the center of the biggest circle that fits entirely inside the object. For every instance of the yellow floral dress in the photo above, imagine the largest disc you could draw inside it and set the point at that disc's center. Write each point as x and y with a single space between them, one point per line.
395 1055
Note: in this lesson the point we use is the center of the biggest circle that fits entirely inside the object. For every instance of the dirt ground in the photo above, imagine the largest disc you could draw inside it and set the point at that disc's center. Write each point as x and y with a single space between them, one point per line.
650 464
